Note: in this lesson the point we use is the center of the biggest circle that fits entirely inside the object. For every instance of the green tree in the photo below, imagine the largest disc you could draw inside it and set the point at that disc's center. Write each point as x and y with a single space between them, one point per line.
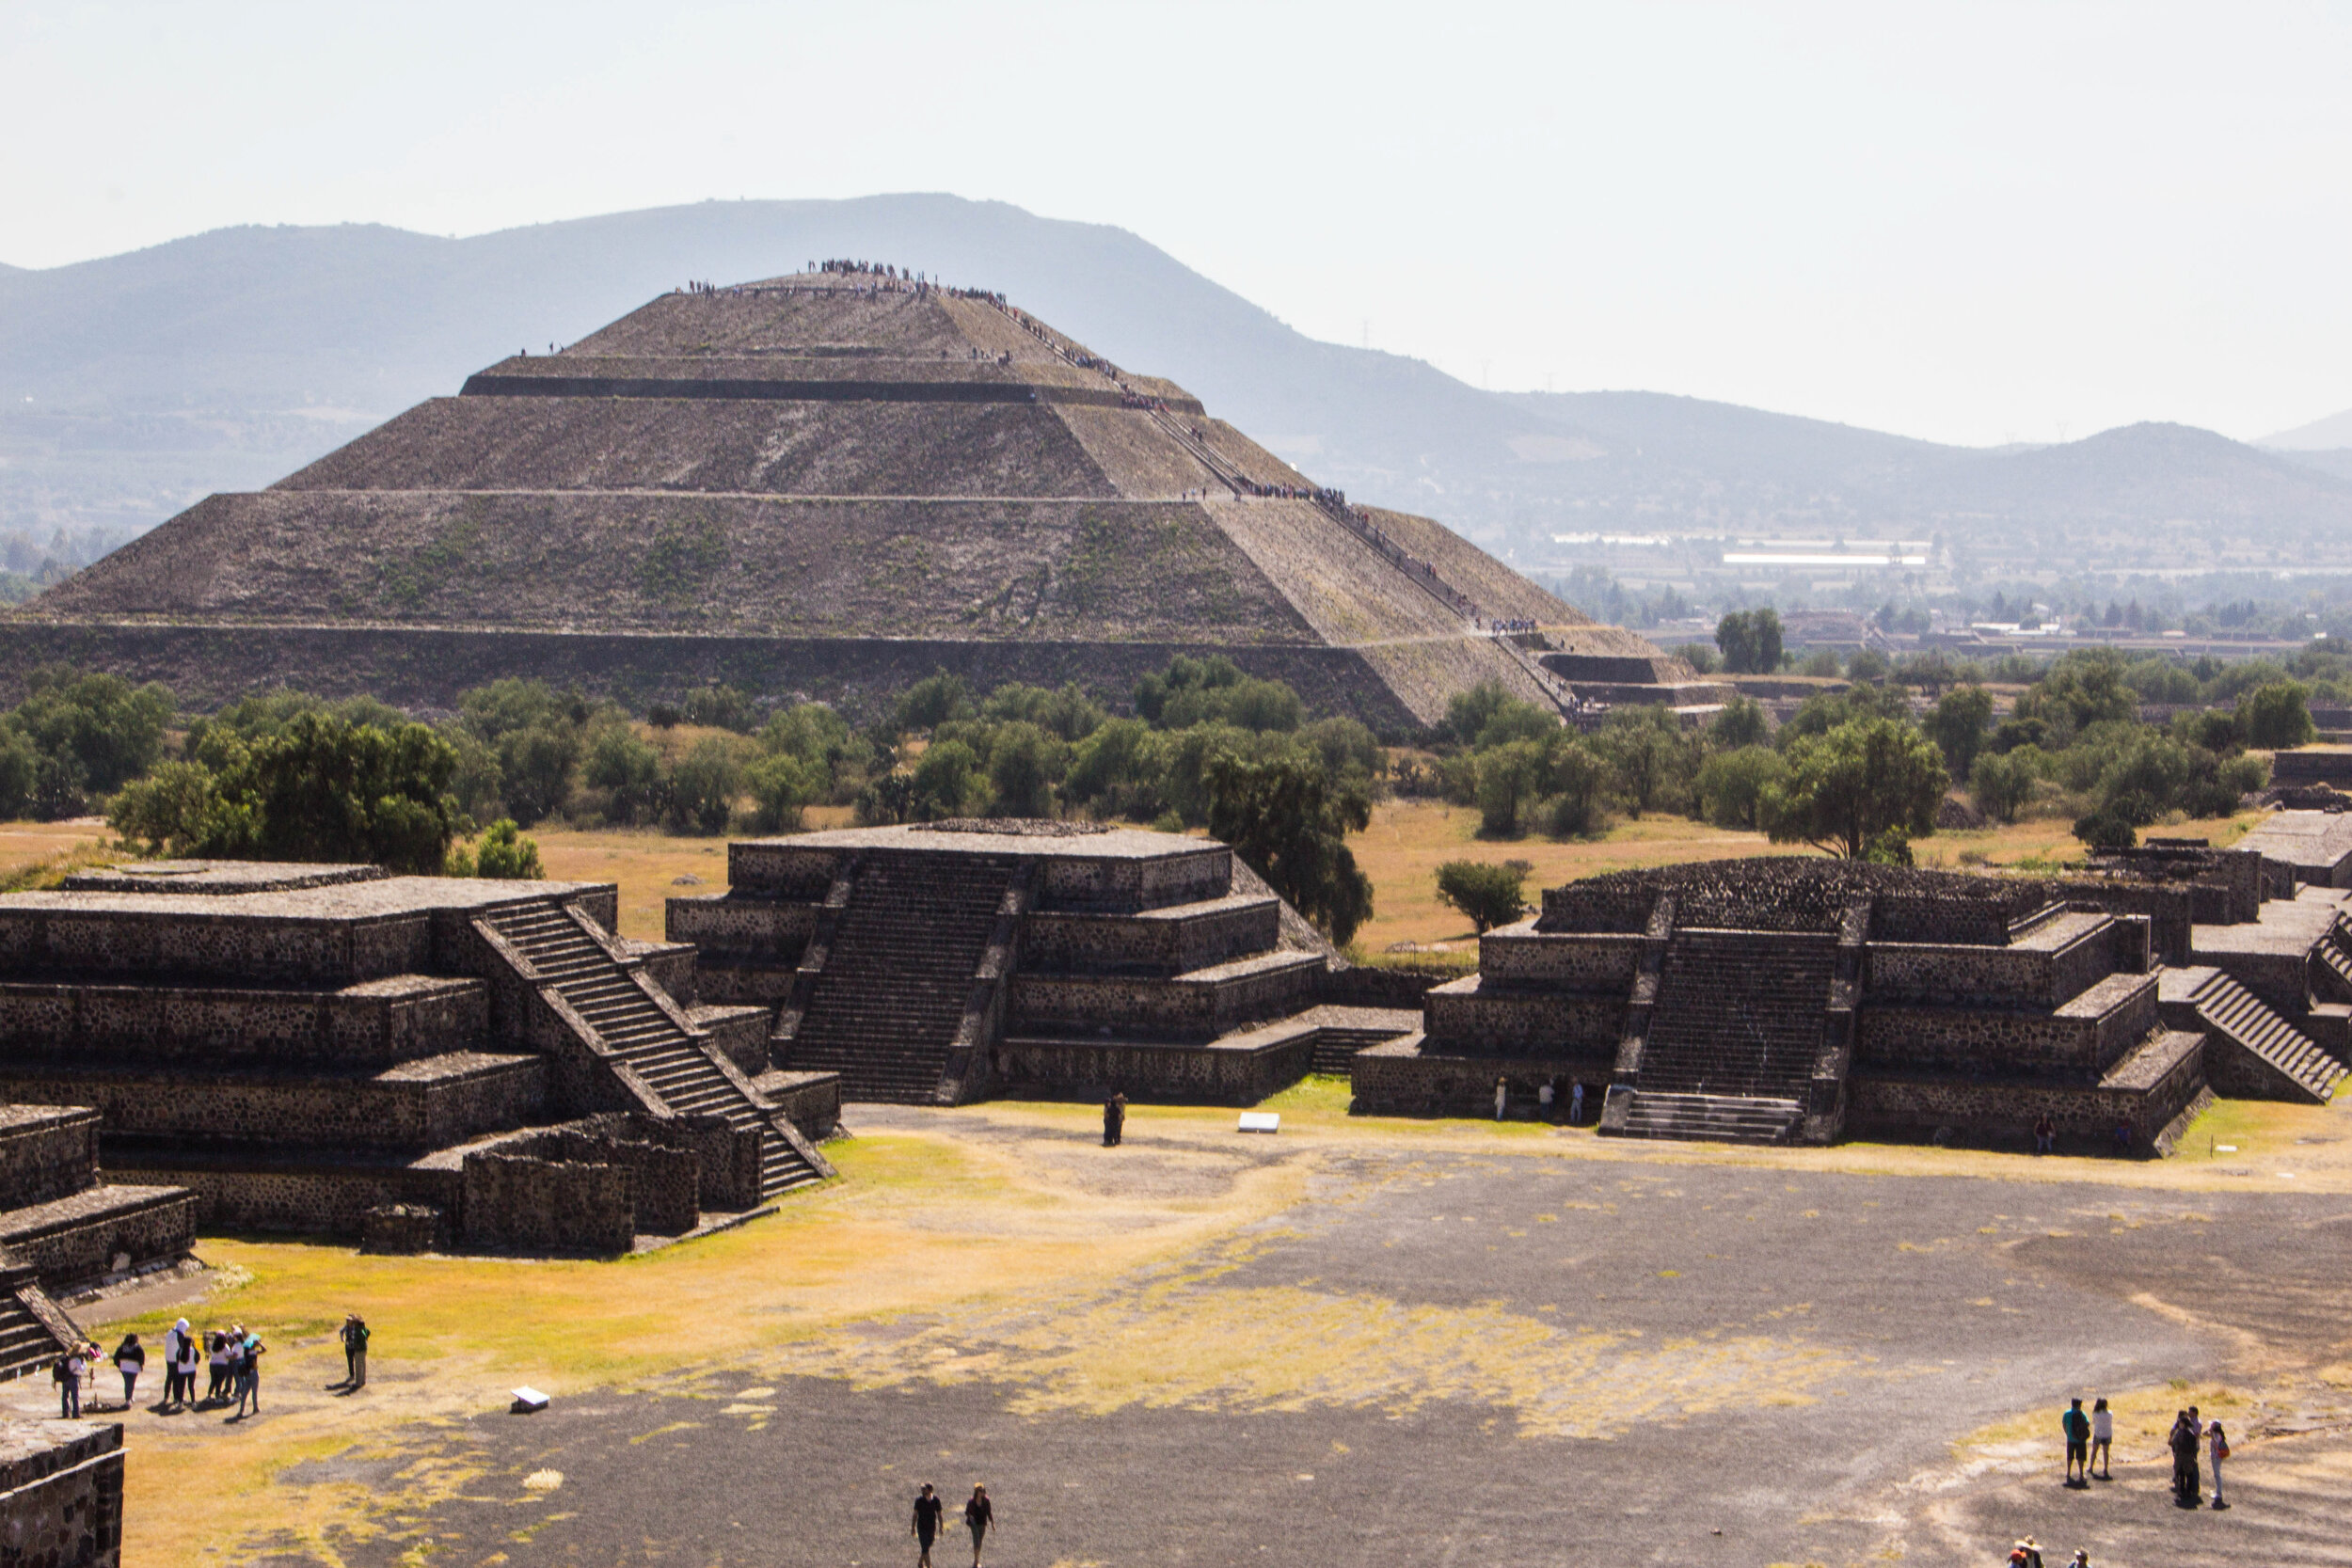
2276 715
933 701
1023 762
1119 772
783 788
535 768
1289 823
626 774
1848 787
1957 725
1511 780
1655 759
1486 891
1575 804
2082 688
947 780
704 785
1750 640
88 735
1742 723
2002 782
1467 712
1732 784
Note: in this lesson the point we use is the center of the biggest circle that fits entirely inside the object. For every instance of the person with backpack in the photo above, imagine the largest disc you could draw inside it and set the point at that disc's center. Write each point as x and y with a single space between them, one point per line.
2216 1450
130 1360
2077 1429
66 1374
355 1339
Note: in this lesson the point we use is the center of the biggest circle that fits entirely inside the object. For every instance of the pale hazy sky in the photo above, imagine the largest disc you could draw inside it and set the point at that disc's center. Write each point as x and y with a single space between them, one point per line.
1974 223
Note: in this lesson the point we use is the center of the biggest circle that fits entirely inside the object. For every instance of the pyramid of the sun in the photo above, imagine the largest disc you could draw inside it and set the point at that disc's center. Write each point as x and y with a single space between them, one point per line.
832 484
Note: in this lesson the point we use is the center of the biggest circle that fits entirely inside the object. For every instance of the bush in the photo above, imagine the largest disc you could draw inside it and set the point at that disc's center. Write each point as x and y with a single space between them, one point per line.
782 788
1654 760
1487 892
719 707
1742 723
2105 829
626 774
504 855
946 782
1957 725
1511 780
1023 762
933 701
1750 640
1579 785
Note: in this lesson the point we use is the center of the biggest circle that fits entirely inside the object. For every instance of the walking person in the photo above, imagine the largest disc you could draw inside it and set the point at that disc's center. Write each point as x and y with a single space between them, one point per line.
979 1513
1502 1097
1576 1104
2077 1429
2216 1450
2102 1437
927 1508
130 1360
1114 1118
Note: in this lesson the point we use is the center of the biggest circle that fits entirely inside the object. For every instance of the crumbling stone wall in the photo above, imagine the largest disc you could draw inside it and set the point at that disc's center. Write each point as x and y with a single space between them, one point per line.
1229 1076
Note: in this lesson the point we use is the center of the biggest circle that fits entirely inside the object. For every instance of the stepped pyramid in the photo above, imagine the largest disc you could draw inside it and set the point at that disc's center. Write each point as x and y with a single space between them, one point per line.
833 483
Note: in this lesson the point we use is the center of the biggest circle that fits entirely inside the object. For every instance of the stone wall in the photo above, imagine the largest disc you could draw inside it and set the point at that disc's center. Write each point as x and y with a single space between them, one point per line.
417 1106
1573 960
520 1203
664 1195
61 1494
47 1154
1184 1007
74 1240
1136 882
1398 1080
2020 977
738 1033
2077 1042
320 1197
373 1023
169 942
1198 1074
811 1100
1471 1017
1884 1101
1114 944
773 930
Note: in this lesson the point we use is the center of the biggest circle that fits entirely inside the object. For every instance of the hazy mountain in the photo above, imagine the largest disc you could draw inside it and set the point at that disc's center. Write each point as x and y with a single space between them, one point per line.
2334 433
133 384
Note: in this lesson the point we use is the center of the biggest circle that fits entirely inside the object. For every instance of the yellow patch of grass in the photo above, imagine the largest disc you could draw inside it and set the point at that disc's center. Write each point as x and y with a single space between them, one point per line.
37 854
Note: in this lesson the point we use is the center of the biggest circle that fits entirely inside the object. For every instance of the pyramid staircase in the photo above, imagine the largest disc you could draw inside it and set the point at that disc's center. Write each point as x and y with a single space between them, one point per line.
34 1330
898 974
2335 952
2229 1009
643 1035
1731 1044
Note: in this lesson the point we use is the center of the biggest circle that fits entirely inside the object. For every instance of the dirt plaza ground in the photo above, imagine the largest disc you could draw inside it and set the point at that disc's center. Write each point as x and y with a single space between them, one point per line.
1359 1339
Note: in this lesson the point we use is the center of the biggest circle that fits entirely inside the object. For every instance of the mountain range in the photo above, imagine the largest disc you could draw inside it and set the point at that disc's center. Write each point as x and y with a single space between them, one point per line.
134 385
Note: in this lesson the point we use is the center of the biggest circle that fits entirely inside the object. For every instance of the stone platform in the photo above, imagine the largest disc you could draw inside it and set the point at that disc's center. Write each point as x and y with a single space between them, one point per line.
933 963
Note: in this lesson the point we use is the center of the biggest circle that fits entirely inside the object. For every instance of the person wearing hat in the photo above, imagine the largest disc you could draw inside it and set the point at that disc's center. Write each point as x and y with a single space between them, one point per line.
2025 1554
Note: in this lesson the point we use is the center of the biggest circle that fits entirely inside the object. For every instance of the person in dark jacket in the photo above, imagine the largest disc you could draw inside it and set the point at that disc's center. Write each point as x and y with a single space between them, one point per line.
130 1360
979 1513
1114 1118
2187 1484
927 1508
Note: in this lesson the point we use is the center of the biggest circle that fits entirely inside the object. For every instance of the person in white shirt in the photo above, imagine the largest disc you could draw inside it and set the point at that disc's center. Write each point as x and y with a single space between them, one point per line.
1502 1097
2101 1439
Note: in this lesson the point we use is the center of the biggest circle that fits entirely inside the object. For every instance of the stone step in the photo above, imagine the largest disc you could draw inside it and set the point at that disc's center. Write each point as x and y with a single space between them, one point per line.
2227 1005
1720 1118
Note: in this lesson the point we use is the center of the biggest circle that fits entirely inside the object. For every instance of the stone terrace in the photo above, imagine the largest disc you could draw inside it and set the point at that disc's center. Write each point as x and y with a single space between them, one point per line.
932 965
308 1047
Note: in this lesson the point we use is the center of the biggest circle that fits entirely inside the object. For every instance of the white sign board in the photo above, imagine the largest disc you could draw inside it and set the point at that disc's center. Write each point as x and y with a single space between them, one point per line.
1262 1121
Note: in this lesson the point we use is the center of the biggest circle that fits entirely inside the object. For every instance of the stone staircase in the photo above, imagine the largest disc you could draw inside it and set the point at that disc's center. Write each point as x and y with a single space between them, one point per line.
642 1035
2228 1007
32 1327
2333 952
898 974
1718 1117
1731 1045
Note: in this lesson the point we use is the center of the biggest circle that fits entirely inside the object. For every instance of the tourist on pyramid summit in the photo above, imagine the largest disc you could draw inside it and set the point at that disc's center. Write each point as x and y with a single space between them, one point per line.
2102 1437
130 1360
926 1510
1114 1118
979 1513
2077 1429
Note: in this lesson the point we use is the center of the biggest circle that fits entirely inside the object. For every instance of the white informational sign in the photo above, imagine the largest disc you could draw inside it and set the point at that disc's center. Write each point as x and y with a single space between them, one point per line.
1262 1121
